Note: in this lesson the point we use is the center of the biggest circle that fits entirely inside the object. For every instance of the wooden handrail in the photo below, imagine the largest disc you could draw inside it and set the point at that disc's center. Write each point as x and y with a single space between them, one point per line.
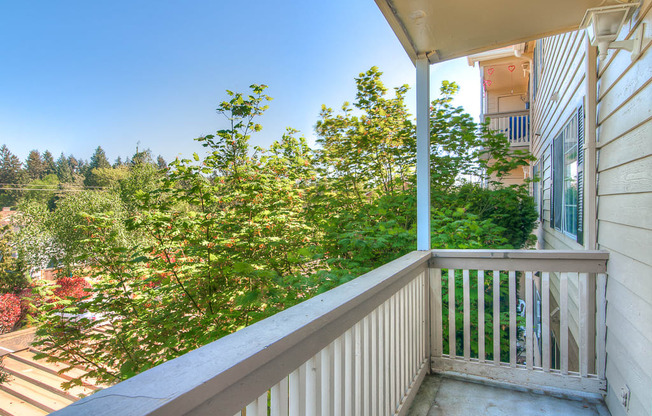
507 114
581 261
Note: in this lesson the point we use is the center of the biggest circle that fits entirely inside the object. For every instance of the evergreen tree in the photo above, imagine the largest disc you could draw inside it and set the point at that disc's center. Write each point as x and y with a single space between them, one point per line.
10 174
34 166
118 162
48 162
63 169
140 158
162 164
74 164
99 160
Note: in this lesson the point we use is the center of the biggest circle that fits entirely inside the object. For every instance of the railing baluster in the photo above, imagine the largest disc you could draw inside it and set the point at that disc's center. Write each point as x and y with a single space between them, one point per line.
374 362
563 321
295 406
512 318
357 359
326 391
338 382
466 292
399 349
252 408
584 323
303 386
451 314
261 405
436 337
496 317
279 398
406 339
393 342
529 328
311 387
405 344
415 323
366 371
348 372
422 308
481 340
425 317
545 320
383 371
601 323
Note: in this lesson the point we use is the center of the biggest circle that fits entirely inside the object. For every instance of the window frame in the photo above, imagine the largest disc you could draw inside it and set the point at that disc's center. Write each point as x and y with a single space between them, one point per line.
567 175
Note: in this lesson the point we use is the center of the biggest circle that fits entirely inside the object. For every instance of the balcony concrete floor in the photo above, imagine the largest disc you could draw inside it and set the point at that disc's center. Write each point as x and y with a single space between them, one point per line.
444 396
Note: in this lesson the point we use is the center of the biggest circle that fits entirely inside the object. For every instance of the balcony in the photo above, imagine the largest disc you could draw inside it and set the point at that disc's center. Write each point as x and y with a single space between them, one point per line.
514 125
523 319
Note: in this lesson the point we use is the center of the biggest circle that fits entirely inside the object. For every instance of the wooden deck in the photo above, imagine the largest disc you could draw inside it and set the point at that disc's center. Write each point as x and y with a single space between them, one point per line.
34 387
442 395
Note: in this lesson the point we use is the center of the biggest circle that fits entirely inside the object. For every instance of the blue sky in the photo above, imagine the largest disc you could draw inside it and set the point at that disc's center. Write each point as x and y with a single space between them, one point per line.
78 74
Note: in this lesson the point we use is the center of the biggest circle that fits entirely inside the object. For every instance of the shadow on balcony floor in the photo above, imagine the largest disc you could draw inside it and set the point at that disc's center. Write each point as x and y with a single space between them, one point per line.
444 396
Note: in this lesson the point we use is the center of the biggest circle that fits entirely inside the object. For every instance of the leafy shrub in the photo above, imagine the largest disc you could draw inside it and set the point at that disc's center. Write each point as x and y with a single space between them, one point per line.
71 287
9 312
508 207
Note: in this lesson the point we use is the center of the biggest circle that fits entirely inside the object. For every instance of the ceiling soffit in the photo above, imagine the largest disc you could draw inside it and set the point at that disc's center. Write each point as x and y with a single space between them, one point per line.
447 29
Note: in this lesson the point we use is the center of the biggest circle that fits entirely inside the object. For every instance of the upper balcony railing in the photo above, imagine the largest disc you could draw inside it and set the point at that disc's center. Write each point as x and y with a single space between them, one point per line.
514 125
363 348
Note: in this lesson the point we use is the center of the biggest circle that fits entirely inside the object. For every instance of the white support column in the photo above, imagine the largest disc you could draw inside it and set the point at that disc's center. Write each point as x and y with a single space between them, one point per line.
423 153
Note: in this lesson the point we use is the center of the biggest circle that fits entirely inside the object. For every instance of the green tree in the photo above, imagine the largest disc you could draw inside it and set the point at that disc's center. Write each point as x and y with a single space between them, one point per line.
49 164
44 189
34 165
13 270
64 170
11 174
364 147
56 239
223 245
99 160
161 163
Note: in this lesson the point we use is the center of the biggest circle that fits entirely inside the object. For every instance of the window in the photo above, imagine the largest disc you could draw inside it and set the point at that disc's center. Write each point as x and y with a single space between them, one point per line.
567 177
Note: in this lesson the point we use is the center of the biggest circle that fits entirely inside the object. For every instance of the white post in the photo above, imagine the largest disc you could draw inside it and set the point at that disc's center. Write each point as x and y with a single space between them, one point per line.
423 153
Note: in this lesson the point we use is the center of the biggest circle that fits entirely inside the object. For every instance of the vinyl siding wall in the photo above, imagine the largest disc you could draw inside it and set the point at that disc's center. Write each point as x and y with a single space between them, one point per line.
624 192
624 120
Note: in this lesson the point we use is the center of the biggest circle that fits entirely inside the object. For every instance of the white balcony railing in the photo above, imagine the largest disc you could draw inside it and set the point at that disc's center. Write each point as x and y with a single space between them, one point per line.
514 125
565 352
364 347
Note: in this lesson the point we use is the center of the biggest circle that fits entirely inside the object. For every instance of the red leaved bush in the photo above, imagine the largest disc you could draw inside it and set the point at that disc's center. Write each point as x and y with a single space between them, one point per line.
10 312
71 286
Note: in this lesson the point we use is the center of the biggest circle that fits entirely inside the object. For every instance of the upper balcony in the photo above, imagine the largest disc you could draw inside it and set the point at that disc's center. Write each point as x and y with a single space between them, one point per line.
515 125
524 319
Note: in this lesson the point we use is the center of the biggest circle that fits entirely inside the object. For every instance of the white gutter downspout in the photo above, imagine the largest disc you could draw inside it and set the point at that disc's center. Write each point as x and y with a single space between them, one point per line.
423 152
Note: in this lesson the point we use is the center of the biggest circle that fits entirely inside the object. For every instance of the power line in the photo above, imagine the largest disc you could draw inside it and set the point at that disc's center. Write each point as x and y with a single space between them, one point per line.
74 189
44 185
48 190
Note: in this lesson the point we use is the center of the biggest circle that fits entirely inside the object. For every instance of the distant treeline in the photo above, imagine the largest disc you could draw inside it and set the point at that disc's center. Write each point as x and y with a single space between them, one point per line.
40 174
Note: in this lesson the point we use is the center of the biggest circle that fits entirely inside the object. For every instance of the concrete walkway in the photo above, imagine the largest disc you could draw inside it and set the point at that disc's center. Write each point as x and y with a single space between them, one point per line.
442 396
